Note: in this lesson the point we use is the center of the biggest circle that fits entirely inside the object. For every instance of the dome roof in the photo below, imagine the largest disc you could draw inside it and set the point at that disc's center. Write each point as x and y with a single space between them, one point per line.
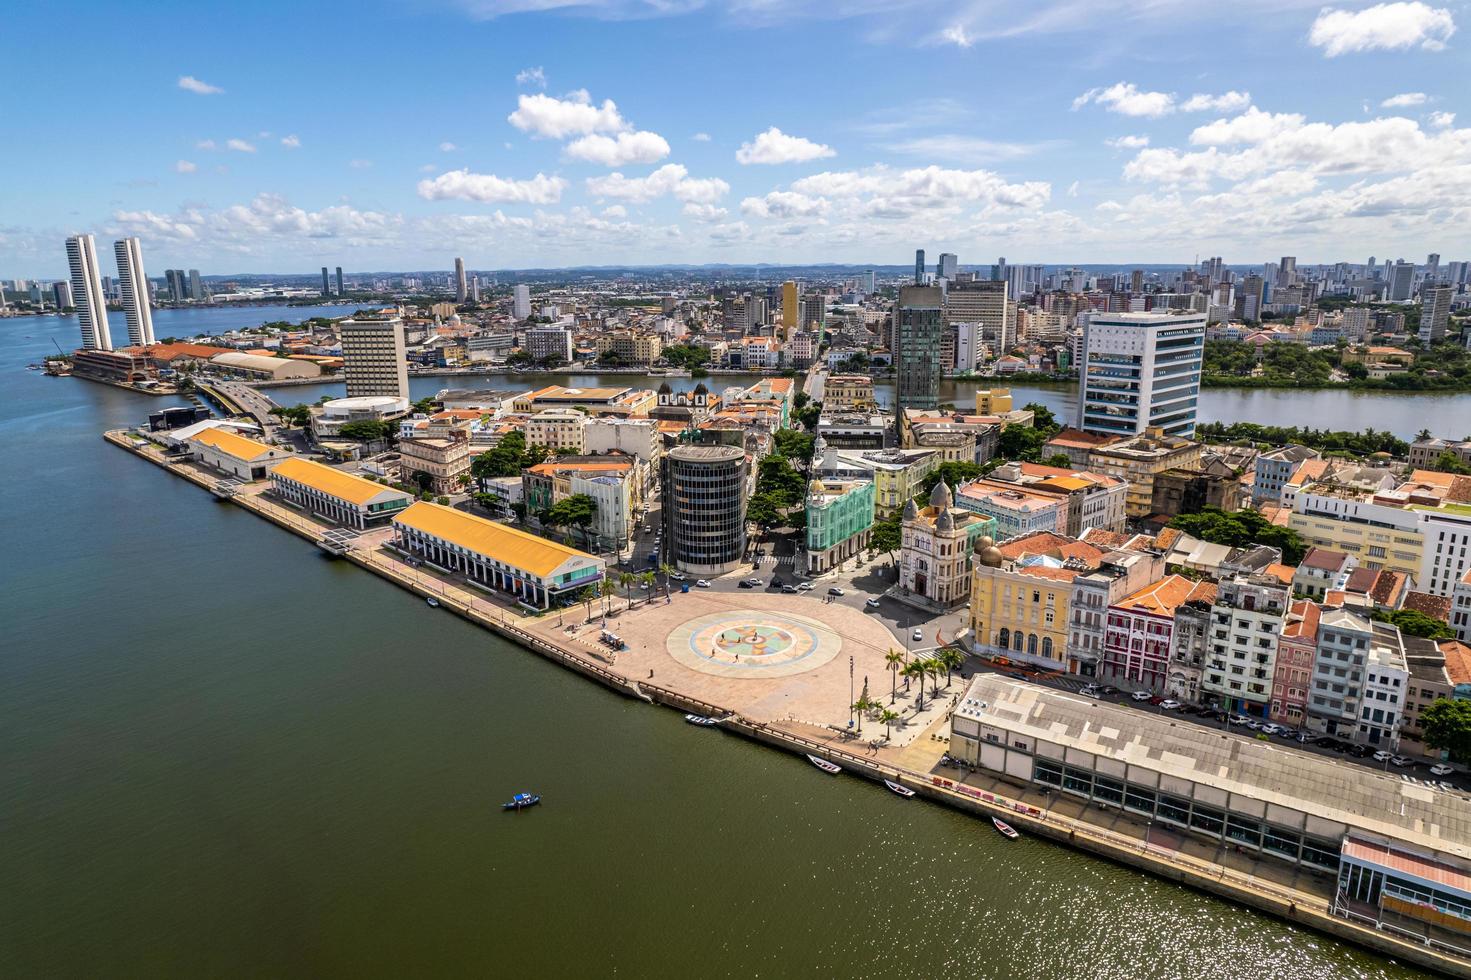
981 543
988 553
664 389
945 524
910 511
940 496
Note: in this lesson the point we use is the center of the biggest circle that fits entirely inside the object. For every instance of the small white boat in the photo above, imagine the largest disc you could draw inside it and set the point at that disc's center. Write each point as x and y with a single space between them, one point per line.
701 720
432 601
1005 828
832 768
898 790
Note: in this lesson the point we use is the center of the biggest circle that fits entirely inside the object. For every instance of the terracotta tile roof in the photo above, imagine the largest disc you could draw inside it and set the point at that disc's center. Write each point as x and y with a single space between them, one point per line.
1079 438
1280 572
1166 539
1457 660
1100 538
1325 559
1309 469
1053 545
167 352
1276 514
1302 621
1434 606
1162 598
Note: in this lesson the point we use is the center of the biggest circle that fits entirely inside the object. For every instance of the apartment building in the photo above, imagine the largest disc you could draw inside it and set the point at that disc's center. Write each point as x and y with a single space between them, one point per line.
559 429
1246 618
1139 460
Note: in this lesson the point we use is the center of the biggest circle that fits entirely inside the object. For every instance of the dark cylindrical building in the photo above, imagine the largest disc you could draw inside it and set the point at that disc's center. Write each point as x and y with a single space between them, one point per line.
704 508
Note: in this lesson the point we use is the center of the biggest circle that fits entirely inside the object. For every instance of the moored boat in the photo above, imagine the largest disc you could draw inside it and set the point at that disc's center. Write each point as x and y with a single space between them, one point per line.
1005 828
432 601
898 790
832 768
701 720
521 801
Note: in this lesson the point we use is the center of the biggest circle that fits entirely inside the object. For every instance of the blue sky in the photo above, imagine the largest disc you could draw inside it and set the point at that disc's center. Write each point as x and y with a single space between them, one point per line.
395 135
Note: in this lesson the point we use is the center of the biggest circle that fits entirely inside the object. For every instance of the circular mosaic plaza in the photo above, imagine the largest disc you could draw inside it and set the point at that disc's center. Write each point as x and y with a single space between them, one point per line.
753 644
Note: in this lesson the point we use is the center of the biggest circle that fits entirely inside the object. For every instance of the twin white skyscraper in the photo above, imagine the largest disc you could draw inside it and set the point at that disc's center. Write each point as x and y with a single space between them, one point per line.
91 304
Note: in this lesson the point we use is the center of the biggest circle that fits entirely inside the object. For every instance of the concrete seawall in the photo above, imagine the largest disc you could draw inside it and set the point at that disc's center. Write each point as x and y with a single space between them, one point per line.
1296 907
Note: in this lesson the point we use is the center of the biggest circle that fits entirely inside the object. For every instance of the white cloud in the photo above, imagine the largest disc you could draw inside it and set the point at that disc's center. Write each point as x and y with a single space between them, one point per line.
774 146
447 147
360 164
1252 126
704 212
545 116
1128 142
783 204
185 167
615 211
490 189
532 76
1384 26
672 178
1126 99
267 220
701 137
291 142
1072 189
968 149
1404 99
1232 101
885 193
955 34
239 146
205 145
1442 120
191 84
620 150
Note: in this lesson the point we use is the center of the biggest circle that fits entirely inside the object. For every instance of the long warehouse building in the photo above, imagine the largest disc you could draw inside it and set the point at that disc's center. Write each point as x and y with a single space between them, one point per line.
1401 850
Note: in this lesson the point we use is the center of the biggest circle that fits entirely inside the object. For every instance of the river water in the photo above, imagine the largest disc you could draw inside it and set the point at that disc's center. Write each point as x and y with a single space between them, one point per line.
224 755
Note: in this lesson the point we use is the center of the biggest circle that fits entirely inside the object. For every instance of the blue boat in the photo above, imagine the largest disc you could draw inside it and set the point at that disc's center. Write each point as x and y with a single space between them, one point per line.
521 801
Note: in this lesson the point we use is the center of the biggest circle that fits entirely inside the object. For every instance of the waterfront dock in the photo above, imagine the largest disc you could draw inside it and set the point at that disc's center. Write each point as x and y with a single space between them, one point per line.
914 760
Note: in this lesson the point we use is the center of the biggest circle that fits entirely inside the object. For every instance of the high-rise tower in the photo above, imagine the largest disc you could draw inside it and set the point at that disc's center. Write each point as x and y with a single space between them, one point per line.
133 285
81 255
460 290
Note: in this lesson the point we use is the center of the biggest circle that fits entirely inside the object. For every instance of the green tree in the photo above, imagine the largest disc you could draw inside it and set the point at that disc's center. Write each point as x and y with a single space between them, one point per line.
1060 460
915 670
586 595
793 444
953 472
887 535
578 510
1447 726
1240 529
808 415
1449 462
778 477
951 659
895 660
297 415
365 430
887 717
1416 623
862 705
425 405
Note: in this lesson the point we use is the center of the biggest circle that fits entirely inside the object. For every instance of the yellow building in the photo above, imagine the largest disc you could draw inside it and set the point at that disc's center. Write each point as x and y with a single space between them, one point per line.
1021 596
995 401
1346 519
789 307
848 392
630 346
898 476
1138 460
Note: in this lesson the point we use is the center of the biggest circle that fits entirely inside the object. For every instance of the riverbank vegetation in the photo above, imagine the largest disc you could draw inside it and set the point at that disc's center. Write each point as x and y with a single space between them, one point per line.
1444 366
1328 441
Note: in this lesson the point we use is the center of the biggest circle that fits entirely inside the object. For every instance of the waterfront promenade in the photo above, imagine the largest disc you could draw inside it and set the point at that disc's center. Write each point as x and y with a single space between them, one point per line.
806 711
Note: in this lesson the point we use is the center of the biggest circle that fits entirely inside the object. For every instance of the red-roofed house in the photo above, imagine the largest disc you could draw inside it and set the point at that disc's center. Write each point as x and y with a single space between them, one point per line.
1140 631
1296 647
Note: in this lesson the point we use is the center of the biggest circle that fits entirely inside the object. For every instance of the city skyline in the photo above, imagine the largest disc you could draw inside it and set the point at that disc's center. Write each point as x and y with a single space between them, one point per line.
1294 140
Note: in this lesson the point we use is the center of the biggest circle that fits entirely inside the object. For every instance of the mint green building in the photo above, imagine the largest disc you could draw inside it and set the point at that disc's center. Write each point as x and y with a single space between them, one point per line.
839 522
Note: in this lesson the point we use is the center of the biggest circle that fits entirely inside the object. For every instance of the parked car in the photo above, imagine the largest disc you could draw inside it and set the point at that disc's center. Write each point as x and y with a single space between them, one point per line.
1441 769
1108 689
917 635
678 576
1141 695
1239 720
1271 729
754 582
702 584
1088 691
792 589
871 603
1359 751
1169 704
805 587
835 591
746 584
1382 755
1402 762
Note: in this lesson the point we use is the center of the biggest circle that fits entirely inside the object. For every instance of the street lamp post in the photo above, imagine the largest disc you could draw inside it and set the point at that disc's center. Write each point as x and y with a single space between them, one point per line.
850 690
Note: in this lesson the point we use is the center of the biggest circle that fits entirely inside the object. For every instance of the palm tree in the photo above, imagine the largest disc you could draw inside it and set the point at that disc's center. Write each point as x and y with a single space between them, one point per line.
666 570
887 718
587 595
647 578
951 659
1423 435
608 590
932 667
915 668
864 703
894 659
625 579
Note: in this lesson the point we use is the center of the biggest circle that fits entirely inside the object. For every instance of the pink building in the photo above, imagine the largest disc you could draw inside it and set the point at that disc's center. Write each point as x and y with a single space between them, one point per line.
1296 647
1141 629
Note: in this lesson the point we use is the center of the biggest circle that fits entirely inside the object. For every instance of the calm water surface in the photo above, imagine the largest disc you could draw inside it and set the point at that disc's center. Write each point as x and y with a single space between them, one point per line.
223 755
